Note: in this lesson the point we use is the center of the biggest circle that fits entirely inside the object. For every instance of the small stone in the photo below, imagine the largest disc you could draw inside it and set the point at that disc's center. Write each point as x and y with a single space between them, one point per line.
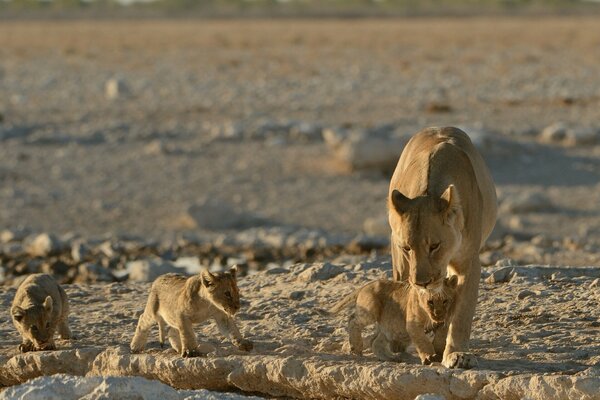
297 295
93 273
554 133
595 283
430 396
79 251
43 245
525 293
115 88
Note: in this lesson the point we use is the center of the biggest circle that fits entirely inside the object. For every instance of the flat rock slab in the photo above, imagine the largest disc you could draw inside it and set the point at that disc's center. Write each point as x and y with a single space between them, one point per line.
539 346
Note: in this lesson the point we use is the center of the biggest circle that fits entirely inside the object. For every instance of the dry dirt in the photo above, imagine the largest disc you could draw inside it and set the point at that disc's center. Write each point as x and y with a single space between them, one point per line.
217 128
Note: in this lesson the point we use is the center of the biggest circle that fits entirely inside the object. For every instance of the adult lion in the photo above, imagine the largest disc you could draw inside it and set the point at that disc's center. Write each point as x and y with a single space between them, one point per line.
442 207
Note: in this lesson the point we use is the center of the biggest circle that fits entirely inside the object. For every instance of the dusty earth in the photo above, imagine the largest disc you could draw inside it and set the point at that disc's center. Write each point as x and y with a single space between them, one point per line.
536 333
269 143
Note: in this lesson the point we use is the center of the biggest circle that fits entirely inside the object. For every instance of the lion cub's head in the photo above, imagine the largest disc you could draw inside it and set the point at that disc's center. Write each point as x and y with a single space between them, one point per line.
427 232
222 290
35 323
438 300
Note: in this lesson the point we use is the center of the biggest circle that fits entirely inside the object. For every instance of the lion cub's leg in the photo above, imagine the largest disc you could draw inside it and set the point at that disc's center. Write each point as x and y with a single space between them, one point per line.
63 329
439 341
26 346
162 330
229 329
357 322
381 348
189 345
174 339
141 332
421 341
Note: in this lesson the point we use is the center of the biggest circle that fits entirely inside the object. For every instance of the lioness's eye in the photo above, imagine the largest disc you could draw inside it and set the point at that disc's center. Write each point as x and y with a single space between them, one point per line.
430 302
228 295
434 247
445 302
406 249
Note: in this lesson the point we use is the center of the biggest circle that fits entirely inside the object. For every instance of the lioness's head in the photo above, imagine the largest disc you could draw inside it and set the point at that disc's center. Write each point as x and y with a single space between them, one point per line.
438 300
36 323
427 232
222 289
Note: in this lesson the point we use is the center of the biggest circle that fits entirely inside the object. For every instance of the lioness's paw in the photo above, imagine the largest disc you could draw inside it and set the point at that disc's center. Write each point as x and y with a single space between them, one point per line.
245 345
460 360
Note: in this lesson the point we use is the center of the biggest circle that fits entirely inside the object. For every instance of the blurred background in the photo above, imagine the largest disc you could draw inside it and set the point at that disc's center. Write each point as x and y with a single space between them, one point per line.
276 124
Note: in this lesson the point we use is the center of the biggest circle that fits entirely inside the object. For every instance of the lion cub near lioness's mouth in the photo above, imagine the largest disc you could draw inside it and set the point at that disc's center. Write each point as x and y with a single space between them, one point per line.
176 301
39 308
403 313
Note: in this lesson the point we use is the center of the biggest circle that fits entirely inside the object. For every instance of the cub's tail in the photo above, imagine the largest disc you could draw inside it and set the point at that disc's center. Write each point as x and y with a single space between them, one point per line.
343 303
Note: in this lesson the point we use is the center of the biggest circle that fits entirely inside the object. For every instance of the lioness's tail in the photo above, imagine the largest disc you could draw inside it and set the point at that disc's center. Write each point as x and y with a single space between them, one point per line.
343 303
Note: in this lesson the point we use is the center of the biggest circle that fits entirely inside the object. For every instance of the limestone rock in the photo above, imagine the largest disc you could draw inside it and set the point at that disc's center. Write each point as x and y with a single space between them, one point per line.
149 269
320 272
43 245
115 88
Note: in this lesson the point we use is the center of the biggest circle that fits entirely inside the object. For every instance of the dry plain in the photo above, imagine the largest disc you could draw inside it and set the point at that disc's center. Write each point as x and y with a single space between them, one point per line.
229 131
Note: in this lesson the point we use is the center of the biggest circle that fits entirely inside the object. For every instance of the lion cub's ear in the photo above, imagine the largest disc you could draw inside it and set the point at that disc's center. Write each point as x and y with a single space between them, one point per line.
207 279
451 281
18 313
233 271
48 304
400 202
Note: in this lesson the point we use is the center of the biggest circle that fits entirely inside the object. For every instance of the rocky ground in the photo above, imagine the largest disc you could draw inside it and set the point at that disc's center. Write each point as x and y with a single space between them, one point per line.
133 148
535 333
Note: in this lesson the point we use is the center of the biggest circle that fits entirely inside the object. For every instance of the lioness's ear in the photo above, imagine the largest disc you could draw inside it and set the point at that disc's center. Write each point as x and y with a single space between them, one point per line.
450 199
400 202
18 313
48 304
207 279
233 271
451 281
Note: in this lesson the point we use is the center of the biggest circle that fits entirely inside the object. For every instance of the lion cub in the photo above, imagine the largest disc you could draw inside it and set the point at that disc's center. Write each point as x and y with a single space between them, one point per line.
403 313
177 301
39 308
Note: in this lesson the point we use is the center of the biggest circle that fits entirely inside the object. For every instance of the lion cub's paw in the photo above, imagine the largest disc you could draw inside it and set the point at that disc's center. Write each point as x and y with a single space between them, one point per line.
191 353
460 360
25 347
430 359
245 345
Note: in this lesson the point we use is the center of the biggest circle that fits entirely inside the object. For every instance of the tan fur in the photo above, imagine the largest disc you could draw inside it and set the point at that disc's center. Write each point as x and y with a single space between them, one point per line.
176 302
39 308
402 312
442 207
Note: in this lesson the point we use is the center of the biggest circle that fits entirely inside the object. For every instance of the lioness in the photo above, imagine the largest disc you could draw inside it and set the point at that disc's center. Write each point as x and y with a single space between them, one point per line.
177 302
40 307
403 313
442 207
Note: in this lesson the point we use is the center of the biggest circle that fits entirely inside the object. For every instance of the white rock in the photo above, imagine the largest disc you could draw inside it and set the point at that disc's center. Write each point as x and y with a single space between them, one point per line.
430 396
378 226
149 269
370 153
43 245
115 88
526 202
583 136
554 133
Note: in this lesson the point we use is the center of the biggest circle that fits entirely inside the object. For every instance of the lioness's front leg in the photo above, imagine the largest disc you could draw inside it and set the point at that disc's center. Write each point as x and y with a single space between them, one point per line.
229 329
456 354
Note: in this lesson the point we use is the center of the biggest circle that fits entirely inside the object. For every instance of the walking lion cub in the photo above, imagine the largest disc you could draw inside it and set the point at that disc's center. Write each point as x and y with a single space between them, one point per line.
403 313
176 302
39 308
